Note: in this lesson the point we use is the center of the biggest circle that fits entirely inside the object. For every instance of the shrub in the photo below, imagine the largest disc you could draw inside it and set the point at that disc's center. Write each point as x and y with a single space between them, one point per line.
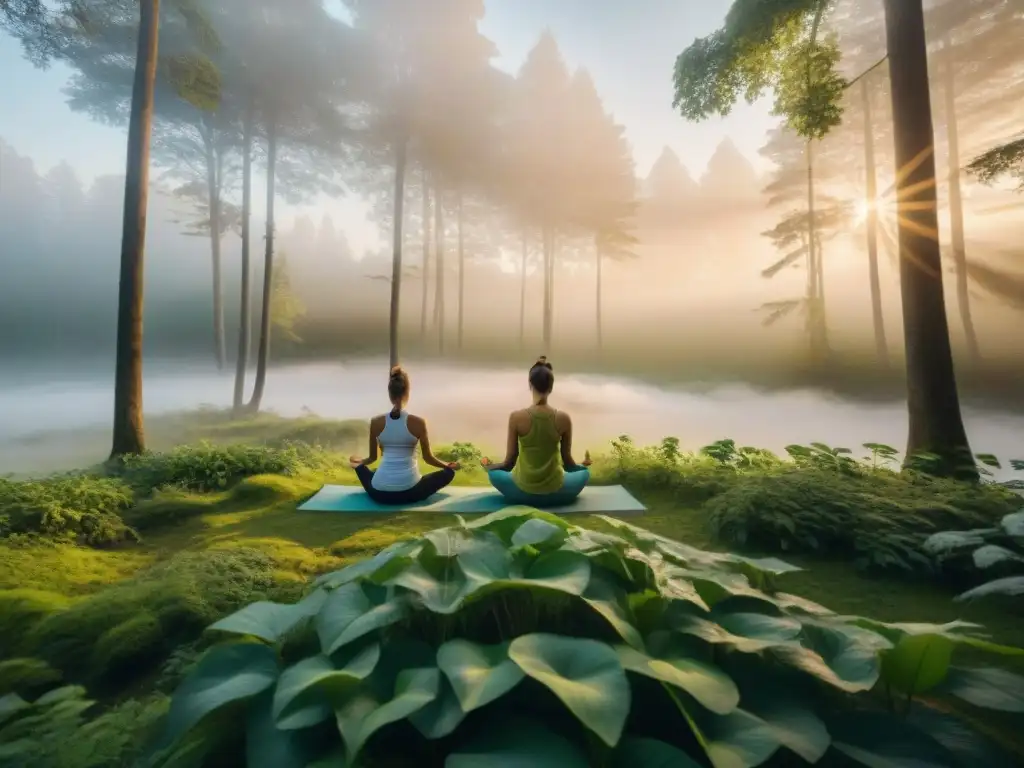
115 627
877 518
207 467
26 676
466 454
518 639
56 731
80 508
993 555
20 611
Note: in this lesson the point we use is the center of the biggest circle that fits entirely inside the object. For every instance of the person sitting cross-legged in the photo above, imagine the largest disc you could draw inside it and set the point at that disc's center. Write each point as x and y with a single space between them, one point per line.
398 433
538 470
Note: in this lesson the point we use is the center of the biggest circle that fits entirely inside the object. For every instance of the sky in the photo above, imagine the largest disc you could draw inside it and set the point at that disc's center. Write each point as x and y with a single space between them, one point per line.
629 47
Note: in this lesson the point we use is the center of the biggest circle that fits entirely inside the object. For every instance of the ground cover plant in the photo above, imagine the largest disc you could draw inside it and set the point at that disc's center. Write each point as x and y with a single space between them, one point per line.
126 618
518 638
995 554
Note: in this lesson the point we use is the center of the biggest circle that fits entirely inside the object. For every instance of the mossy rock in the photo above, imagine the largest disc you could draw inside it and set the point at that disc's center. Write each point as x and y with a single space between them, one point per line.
27 677
133 646
20 611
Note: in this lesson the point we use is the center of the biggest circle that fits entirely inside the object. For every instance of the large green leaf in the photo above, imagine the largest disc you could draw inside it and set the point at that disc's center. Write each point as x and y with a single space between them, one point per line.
504 523
443 595
917 664
349 614
292 705
442 716
478 674
226 674
611 601
538 533
739 740
711 632
405 550
10 704
786 714
879 740
267 746
1009 586
271 621
758 626
707 684
844 656
517 743
362 714
585 674
987 687
971 747
634 752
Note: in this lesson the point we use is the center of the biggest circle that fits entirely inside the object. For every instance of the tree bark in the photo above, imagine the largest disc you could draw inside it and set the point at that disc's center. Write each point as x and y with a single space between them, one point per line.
214 166
128 432
439 265
245 297
263 352
815 298
462 269
401 151
956 209
936 425
871 225
598 256
426 254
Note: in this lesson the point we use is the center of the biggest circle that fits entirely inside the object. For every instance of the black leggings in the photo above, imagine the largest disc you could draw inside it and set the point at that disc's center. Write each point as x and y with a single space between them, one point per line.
424 489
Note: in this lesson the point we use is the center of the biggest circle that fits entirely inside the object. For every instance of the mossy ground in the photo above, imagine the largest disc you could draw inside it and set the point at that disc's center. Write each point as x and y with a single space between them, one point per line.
120 620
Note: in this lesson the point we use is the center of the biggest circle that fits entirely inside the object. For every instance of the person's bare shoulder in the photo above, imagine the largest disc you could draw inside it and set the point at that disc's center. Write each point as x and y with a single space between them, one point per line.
377 423
563 423
417 425
519 418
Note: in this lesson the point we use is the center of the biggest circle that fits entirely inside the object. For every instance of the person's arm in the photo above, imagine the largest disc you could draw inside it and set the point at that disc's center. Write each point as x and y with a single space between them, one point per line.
418 427
511 448
566 429
376 426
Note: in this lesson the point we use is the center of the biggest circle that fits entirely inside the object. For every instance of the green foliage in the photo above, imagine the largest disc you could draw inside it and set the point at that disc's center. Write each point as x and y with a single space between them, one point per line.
79 508
56 730
464 453
22 609
1005 160
132 626
208 467
830 505
518 638
993 555
765 44
26 676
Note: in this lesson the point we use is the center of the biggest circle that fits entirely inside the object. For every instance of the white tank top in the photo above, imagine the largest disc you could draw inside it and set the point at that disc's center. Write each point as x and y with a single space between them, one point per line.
398 470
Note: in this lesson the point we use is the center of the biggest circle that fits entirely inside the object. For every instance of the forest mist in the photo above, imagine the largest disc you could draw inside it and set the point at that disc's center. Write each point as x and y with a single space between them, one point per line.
688 299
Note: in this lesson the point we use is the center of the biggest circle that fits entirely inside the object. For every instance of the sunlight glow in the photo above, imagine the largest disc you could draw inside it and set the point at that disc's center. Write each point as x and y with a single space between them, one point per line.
863 209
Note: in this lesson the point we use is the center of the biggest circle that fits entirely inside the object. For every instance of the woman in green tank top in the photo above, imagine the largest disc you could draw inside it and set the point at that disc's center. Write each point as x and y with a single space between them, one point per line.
538 469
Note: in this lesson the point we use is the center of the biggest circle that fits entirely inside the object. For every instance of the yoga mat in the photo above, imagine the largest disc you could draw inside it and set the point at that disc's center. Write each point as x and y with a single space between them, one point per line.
595 499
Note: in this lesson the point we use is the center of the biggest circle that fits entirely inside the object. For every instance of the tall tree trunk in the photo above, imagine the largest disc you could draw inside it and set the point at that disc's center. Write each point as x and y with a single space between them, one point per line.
935 422
956 207
818 333
426 254
128 432
439 265
401 152
245 297
214 170
263 353
462 268
871 225
522 290
598 258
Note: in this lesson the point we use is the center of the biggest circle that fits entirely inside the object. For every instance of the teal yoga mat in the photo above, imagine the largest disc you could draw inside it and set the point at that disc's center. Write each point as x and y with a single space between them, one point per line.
595 499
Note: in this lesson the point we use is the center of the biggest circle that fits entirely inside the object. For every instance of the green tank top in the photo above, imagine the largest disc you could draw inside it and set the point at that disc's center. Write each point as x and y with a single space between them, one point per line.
539 466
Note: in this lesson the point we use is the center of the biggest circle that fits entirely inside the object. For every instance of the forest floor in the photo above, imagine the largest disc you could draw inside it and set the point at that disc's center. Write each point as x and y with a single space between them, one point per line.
204 554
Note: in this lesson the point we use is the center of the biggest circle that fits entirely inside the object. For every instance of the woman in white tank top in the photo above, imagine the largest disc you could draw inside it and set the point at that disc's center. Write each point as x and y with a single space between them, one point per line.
397 434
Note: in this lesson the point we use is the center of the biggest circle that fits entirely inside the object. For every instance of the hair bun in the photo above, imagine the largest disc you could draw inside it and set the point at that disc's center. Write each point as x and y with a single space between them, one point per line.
396 371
